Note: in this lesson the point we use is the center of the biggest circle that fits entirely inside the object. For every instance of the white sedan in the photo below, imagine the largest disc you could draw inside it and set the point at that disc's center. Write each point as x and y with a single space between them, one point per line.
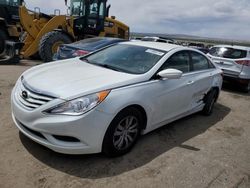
104 101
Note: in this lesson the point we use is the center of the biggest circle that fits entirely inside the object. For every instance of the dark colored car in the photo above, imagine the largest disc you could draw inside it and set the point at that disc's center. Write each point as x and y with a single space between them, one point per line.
84 47
202 49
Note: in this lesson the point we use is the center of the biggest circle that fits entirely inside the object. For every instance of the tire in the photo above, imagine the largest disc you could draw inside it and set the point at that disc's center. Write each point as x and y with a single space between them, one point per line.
118 140
3 38
49 43
246 87
209 100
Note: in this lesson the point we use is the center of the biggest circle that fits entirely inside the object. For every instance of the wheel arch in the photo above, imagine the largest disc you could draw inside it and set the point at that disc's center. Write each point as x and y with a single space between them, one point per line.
214 88
217 89
141 110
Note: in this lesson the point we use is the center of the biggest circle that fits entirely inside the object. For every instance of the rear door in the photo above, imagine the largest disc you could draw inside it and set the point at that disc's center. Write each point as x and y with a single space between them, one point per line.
202 75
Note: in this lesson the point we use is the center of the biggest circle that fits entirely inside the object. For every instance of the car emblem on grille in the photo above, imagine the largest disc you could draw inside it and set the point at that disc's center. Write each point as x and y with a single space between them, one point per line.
25 94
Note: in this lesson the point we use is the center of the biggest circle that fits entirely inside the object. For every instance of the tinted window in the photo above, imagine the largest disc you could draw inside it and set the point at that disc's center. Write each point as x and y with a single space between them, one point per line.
10 2
127 58
228 52
77 8
199 61
179 61
164 41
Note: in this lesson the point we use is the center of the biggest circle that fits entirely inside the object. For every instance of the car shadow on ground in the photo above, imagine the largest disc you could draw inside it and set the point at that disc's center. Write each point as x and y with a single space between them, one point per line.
23 63
234 88
148 148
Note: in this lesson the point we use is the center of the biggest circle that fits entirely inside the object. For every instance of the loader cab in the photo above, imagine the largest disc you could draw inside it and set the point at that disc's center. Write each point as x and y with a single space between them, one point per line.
9 10
89 17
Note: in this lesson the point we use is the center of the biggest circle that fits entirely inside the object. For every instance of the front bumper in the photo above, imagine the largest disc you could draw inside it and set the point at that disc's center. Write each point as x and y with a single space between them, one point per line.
64 134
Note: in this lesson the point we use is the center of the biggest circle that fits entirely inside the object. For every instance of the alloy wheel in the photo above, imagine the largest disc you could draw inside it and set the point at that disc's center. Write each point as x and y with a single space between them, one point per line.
125 133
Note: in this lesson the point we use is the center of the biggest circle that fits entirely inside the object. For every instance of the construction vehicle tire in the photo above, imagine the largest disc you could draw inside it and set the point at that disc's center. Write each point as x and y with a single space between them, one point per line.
50 42
3 38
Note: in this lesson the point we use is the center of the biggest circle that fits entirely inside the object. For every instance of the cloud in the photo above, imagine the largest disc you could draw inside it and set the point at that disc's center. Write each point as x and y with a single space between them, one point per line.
209 18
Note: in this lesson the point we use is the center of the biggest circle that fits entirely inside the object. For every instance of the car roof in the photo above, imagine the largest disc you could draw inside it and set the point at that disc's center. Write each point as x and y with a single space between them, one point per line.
155 45
95 43
233 46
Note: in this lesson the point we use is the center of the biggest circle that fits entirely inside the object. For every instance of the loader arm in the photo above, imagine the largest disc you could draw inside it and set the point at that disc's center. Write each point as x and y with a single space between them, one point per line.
36 28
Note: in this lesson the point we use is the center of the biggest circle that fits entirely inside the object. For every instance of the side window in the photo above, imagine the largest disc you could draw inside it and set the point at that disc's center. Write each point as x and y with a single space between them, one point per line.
179 61
200 62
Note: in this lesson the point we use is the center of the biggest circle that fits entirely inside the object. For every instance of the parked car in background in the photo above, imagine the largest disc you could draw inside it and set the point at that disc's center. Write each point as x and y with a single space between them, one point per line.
235 63
104 101
84 47
202 49
158 39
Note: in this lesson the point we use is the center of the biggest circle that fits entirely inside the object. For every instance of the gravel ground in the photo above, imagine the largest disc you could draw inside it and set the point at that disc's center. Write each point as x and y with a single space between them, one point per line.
196 151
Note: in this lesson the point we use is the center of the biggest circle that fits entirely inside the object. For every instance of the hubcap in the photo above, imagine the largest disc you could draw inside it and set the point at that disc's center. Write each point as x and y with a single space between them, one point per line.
125 133
55 46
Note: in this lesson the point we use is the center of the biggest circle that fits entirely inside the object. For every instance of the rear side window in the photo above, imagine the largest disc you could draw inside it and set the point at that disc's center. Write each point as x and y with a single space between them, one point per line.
228 52
199 61
179 61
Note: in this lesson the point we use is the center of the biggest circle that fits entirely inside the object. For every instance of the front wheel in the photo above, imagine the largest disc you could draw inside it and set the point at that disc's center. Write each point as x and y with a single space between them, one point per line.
246 87
123 132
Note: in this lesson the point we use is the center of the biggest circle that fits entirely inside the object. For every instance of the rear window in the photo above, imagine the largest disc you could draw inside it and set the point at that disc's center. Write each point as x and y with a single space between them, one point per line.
228 52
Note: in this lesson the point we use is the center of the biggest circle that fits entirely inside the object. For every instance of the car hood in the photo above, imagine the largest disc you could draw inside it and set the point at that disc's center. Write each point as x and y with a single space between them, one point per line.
73 78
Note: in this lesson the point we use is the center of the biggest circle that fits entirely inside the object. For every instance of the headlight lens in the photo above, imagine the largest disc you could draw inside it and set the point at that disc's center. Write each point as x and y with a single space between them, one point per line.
80 105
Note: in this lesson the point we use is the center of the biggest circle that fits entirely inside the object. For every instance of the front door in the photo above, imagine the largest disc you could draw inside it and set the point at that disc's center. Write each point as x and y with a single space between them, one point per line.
172 96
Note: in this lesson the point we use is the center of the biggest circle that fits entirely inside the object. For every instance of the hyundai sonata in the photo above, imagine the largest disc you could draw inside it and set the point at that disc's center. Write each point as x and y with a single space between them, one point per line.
104 101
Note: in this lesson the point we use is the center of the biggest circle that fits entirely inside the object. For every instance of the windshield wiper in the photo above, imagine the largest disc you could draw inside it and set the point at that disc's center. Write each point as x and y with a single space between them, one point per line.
109 67
85 59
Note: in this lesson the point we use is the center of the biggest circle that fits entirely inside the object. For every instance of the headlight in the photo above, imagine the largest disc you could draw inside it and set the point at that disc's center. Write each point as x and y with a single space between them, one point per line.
80 105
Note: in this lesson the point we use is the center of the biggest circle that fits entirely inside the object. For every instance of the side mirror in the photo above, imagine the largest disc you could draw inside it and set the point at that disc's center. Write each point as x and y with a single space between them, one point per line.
170 74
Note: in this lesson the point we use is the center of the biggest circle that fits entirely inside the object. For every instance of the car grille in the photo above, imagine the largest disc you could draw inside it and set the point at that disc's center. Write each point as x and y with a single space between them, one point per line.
31 99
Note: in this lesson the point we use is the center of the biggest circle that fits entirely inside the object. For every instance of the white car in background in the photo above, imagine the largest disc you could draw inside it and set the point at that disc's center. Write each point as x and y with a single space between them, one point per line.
104 101
158 39
235 63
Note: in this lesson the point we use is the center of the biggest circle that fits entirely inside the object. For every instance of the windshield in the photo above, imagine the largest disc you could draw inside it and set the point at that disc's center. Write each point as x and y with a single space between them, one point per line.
126 58
10 2
77 8
228 52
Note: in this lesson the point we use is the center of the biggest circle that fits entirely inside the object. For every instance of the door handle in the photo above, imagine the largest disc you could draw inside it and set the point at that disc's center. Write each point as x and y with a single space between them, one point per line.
190 82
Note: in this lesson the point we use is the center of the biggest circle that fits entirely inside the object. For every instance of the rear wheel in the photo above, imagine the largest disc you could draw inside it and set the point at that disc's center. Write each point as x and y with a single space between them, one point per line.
49 44
209 100
3 38
246 87
123 132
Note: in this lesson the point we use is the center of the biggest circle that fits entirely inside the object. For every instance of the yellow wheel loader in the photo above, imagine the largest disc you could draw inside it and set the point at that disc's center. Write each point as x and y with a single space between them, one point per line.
88 18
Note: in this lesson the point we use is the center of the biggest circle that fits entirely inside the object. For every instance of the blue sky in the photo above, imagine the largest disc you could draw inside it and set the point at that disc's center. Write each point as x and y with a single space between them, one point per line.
209 18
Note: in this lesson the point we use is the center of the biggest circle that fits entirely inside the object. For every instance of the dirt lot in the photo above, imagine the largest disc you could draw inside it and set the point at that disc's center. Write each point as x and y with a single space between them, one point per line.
196 151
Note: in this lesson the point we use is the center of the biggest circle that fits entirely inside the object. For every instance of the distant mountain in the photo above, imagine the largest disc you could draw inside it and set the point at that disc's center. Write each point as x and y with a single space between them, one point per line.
191 38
